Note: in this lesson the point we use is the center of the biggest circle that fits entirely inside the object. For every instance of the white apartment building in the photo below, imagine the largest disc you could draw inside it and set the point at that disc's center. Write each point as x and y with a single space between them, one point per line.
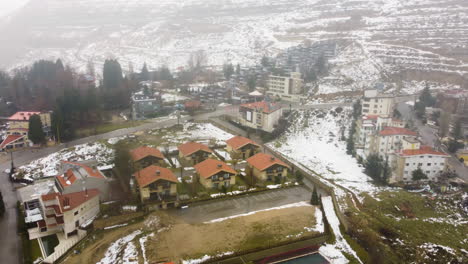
286 88
375 103
431 162
260 115
390 141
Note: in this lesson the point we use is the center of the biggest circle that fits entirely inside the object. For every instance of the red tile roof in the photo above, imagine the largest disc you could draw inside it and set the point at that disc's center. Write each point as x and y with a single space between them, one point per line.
210 167
192 104
423 150
10 139
373 117
145 151
153 173
391 131
265 107
70 201
189 148
22 116
67 179
90 171
238 142
263 161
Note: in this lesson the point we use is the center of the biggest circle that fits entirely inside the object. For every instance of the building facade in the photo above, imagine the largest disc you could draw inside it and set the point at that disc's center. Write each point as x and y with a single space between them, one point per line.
265 167
260 115
241 147
375 103
192 153
215 174
157 184
285 87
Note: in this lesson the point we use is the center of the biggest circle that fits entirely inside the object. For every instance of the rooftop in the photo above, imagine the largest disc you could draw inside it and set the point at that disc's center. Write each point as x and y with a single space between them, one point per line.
391 131
265 107
191 147
238 142
10 139
22 116
145 151
153 173
211 167
67 202
423 150
262 161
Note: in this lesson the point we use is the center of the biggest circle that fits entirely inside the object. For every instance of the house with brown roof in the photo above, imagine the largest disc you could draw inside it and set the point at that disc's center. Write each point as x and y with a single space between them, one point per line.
265 167
241 147
260 115
62 213
215 174
157 184
78 176
145 156
192 153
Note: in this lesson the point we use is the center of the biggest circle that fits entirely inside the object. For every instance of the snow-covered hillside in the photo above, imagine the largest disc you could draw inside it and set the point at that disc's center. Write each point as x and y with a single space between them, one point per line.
413 34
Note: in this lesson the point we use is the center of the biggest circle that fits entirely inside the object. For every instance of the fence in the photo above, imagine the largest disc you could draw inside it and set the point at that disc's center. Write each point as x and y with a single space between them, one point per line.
64 246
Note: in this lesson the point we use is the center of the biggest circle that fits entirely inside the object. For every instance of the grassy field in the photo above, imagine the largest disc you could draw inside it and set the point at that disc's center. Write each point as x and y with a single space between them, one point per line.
403 227
106 127
35 250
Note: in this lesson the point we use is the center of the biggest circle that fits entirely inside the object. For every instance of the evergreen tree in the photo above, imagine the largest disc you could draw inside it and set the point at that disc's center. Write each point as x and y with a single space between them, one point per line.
357 107
426 98
376 168
314 200
252 82
264 61
35 132
238 69
2 205
228 70
122 162
144 75
418 175
457 130
112 75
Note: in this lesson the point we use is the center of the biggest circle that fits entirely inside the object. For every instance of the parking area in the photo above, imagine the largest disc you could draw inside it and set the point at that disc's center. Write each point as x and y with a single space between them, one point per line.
199 213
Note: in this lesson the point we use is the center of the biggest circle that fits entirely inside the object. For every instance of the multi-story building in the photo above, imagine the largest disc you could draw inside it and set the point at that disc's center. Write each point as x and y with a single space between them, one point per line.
286 88
215 174
431 162
265 167
375 103
157 184
390 141
260 115
18 127
79 176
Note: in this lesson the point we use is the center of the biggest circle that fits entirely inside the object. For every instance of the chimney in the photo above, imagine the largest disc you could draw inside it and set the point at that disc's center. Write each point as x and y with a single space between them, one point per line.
86 192
219 166
272 158
158 172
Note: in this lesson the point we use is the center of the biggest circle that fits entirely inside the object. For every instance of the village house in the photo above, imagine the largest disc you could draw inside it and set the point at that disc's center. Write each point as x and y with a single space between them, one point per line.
79 176
267 168
241 147
145 156
260 115
18 127
215 174
431 162
192 153
157 184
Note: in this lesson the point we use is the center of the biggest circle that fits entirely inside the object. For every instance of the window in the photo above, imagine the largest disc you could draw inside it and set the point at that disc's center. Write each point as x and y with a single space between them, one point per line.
419 164
407 164
429 164
75 213
428 172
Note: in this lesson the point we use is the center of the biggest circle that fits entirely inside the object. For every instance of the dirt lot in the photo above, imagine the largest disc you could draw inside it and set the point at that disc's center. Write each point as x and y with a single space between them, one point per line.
237 234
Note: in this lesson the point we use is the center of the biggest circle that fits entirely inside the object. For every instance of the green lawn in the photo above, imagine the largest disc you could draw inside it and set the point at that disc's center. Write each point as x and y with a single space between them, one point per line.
35 250
106 127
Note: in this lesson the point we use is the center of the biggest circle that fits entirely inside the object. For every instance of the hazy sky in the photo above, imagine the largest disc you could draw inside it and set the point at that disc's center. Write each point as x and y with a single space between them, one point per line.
9 6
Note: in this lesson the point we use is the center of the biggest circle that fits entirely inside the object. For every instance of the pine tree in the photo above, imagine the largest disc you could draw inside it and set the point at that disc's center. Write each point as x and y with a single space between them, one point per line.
35 132
418 175
112 75
314 200
238 69
144 75
2 205
122 162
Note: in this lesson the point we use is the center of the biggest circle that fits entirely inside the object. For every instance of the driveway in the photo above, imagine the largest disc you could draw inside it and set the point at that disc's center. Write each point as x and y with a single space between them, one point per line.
206 211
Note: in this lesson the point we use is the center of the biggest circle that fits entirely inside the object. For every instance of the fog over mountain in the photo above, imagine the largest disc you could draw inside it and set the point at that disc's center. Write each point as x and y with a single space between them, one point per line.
415 35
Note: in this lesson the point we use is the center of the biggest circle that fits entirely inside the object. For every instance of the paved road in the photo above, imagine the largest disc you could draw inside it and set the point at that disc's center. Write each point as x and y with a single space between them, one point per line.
429 137
241 205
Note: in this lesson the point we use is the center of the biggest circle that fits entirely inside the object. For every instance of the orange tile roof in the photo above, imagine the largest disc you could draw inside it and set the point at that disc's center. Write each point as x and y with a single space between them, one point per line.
210 167
22 116
145 151
391 131
10 139
150 174
265 107
263 161
67 179
238 142
91 172
423 150
189 148
73 200
373 117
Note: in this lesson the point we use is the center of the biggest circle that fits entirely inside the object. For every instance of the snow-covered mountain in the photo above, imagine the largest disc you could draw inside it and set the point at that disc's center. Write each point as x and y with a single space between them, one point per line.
412 35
